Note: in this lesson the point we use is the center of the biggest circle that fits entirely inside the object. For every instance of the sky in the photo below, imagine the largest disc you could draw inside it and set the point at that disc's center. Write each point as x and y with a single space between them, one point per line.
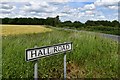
73 10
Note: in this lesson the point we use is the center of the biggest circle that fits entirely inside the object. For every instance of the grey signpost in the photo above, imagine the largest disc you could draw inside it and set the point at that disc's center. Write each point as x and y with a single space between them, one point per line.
64 65
35 53
36 69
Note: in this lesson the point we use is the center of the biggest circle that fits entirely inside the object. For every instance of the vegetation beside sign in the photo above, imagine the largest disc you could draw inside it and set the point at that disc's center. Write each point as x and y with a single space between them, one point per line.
93 57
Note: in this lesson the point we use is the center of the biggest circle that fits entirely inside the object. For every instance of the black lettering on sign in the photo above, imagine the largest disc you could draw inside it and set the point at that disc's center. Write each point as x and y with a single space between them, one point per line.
59 48
48 50
67 46
40 53
55 49
44 51
33 53
63 47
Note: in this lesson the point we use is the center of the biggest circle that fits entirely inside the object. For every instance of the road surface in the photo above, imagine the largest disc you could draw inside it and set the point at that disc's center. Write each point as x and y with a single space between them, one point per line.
113 37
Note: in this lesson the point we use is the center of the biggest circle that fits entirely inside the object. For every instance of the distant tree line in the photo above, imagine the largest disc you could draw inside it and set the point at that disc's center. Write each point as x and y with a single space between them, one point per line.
114 23
31 21
57 23
111 27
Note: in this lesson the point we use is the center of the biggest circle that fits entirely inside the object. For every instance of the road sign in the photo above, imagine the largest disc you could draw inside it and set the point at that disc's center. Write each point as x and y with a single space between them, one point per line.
35 53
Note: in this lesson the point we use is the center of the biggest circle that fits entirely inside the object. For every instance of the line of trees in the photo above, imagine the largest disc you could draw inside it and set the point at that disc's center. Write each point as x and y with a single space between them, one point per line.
114 23
31 21
57 23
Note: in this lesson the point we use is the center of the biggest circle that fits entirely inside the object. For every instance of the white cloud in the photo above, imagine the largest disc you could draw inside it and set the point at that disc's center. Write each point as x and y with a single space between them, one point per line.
113 7
72 12
7 14
93 15
89 12
36 1
89 7
101 17
59 1
106 2
65 9
6 8
111 4
39 7
44 9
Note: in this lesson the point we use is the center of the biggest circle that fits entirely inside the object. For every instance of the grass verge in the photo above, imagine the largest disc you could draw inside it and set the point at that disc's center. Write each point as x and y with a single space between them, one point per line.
92 56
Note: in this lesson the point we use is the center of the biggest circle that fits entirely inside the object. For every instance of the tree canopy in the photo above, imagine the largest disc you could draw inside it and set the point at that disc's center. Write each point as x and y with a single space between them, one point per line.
56 22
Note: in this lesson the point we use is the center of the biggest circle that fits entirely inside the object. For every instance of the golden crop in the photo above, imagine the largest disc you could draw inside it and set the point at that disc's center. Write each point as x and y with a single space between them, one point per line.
22 29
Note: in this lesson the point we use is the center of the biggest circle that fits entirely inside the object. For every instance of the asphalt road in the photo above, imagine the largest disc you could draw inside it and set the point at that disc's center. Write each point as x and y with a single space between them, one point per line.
113 37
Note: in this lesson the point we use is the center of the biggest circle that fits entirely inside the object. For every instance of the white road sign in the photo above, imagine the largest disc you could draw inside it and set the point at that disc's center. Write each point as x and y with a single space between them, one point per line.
33 54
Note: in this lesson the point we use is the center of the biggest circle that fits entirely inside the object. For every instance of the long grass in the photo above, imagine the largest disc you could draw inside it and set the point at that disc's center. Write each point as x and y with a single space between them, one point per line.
93 56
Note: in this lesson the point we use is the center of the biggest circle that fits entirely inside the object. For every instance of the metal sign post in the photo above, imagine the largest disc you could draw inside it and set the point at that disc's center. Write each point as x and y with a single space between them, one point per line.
64 65
35 53
36 69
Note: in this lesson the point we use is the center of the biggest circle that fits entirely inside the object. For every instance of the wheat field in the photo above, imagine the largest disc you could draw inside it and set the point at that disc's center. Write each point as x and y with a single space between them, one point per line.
22 29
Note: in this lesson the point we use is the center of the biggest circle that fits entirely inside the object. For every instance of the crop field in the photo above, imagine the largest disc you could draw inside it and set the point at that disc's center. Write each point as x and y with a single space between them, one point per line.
92 56
24 29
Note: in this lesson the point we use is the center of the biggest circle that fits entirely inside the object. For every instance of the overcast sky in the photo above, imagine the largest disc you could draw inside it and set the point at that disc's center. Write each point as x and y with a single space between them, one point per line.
74 10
